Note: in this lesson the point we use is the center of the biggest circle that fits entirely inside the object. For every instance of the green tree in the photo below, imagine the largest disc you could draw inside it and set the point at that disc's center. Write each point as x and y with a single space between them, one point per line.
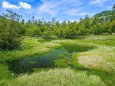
113 8
10 31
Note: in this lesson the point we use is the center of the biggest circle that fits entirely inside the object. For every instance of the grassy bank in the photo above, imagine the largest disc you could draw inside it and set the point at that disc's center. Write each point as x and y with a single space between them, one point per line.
58 77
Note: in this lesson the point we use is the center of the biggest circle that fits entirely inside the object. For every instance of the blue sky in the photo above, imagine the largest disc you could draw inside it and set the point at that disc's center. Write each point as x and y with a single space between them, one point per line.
59 9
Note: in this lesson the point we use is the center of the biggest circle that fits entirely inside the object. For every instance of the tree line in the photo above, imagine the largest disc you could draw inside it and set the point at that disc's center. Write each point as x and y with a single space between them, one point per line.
12 27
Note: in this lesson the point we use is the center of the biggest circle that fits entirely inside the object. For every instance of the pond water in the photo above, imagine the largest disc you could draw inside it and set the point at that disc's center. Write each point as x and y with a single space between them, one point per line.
27 65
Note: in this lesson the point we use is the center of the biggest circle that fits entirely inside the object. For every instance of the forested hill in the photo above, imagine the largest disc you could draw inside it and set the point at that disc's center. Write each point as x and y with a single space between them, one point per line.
108 15
105 13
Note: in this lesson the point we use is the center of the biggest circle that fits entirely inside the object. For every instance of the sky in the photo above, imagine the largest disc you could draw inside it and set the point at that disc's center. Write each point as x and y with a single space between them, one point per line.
60 9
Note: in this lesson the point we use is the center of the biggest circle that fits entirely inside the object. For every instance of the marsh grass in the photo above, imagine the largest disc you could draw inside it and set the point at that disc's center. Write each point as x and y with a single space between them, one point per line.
92 64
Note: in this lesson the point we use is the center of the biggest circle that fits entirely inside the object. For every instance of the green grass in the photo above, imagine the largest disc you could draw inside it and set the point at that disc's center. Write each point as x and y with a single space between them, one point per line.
94 61
5 73
57 77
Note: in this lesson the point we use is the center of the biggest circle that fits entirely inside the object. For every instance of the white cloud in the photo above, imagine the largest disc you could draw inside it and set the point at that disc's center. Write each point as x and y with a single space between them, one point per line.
8 5
98 2
54 7
11 6
25 5
48 8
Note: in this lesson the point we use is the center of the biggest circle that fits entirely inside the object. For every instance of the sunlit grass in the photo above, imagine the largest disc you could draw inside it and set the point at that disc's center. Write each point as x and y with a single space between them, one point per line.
57 77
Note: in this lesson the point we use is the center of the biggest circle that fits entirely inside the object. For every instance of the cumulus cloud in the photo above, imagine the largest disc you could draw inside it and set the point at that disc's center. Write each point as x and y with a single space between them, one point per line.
6 4
25 5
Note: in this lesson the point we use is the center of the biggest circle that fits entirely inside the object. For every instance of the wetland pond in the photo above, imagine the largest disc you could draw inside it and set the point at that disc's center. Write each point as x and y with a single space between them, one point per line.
45 61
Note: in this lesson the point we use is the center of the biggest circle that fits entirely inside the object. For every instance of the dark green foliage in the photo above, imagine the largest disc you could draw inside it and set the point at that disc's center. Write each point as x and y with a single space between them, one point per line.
10 30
